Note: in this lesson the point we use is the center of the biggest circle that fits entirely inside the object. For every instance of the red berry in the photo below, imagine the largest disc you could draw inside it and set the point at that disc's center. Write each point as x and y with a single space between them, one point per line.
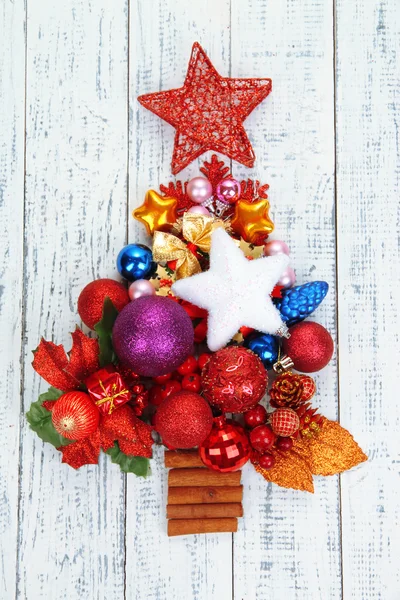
266 461
189 366
156 395
192 382
169 388
262 438
255 416
203 360
163 378
284 443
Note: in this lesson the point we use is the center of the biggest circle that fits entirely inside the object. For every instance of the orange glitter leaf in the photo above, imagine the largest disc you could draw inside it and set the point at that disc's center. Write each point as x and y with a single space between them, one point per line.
291 470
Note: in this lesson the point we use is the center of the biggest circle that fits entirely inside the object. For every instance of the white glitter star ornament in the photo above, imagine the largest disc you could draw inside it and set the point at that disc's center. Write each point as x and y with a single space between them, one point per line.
235 291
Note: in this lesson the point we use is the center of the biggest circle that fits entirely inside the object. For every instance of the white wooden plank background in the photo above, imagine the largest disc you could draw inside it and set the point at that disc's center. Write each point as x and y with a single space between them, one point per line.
77 154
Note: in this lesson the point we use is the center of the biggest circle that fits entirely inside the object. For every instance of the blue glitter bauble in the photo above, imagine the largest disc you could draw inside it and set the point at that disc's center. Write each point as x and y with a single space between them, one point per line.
299 302
135 261
265 346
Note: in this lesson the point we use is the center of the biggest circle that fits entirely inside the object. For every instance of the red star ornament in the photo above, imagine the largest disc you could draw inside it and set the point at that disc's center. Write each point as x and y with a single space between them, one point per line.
208 112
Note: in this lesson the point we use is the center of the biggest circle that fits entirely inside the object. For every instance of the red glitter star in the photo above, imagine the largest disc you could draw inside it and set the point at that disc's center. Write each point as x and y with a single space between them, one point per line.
208 112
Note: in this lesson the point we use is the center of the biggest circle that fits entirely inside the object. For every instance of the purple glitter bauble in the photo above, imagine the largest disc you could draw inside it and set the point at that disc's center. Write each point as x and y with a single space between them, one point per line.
153 335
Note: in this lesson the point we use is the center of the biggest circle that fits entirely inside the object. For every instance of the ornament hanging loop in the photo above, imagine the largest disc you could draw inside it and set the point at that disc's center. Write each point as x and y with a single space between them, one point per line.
283 364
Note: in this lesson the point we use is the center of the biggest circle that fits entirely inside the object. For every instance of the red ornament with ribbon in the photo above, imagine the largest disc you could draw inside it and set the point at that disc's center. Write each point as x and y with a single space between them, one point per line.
108 390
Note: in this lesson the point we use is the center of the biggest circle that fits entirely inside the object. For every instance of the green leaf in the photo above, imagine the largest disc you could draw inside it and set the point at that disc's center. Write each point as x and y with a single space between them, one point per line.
139 465
104 330
39 419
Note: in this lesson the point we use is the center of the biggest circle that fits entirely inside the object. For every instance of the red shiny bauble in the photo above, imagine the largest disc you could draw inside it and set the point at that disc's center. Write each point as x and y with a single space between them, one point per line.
75 416
183 420
285 422
284 443
267 461
310 346
169 388
255 416
91 299
227 447
187 367
203 360
234 379
262 438
309 387
192 382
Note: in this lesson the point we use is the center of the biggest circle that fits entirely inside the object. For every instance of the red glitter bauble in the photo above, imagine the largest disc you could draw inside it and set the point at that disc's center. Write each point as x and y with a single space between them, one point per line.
91 299
310 346
183 420
234 379
227 447
75 416
285 422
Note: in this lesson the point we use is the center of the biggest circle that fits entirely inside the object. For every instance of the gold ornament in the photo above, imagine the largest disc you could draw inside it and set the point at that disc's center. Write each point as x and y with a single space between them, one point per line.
196 231
157 212
251 220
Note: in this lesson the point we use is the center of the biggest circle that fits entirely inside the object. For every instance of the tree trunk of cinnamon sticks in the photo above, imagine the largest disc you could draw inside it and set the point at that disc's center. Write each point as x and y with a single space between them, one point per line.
201 500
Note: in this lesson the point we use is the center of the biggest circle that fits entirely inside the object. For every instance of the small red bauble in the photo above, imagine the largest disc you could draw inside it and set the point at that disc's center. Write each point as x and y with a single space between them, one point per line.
309 387
255 416
183 420
192 382
170 388
284 443
156 395
203 360
310 346
91 299
75 416
266 461
262 438
285 422
187 367
227 447
234 379
162 378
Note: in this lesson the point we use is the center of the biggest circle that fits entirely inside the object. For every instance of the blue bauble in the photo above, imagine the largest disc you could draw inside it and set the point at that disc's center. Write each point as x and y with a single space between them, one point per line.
135 261
299 302
265 346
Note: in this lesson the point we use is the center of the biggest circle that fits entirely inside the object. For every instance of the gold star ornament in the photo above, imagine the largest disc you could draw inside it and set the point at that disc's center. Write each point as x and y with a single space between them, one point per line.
157 213
252 222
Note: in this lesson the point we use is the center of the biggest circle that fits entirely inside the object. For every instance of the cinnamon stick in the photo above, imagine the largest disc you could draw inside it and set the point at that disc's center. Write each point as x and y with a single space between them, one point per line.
204 495
204 511
182 458
202 477
183 527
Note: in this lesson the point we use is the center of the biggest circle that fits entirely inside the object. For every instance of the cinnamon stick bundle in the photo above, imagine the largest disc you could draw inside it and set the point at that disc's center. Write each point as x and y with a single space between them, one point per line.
191 526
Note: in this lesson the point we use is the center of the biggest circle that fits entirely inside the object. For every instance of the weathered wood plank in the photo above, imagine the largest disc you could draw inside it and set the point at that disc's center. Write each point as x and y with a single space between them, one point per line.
72 523
161 36
12 97
368 168
288 543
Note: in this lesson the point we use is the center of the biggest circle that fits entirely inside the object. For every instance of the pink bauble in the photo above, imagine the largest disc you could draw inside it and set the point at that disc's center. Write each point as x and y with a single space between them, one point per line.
199 210
141 287
275 247
287 279
199 189
228 191
153 335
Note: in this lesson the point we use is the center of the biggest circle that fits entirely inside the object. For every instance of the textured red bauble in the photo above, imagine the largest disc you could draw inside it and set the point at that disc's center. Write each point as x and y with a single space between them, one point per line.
262 438
284 443
234 379
75 416
310 346
309 387
227 447
91 299
267 461
183 420
285 422
255 416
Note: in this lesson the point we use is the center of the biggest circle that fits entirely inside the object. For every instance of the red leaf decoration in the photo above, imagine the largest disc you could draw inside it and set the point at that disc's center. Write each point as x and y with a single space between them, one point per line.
84 355
51 361
83 452
133 436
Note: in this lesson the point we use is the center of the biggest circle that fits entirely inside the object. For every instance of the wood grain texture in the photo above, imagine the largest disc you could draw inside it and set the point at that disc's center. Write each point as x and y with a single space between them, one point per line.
288 544
12 98
368 170
161 36
71 523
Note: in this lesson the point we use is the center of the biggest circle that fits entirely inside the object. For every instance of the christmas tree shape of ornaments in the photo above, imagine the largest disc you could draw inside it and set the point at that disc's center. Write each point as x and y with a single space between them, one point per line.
213 276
